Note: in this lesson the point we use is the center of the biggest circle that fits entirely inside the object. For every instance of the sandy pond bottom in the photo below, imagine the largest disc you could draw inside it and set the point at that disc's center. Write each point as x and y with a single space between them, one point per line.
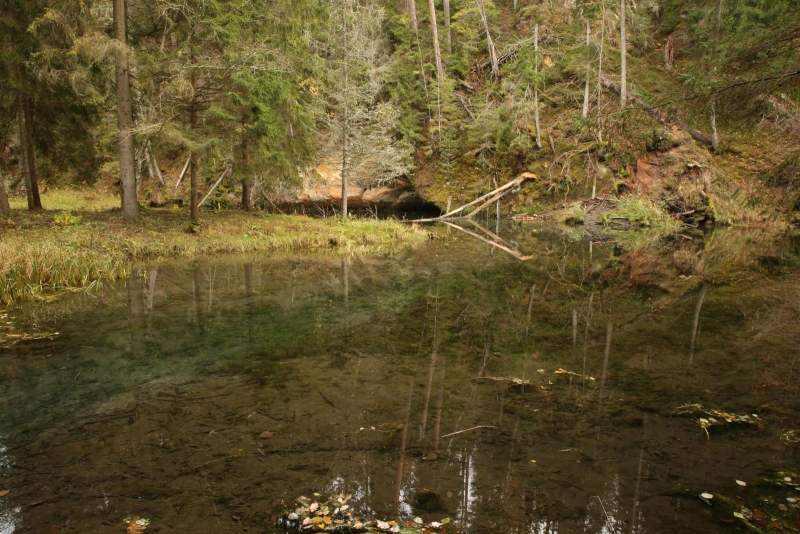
207 397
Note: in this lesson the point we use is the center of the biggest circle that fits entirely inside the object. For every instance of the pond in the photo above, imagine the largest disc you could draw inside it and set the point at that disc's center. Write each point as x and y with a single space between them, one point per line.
583 390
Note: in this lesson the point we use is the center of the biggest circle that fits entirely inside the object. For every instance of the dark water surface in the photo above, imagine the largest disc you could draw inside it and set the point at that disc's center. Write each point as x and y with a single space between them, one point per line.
205 395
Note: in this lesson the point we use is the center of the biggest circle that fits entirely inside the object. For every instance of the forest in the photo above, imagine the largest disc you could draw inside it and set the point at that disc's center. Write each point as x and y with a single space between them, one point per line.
370 266
237 103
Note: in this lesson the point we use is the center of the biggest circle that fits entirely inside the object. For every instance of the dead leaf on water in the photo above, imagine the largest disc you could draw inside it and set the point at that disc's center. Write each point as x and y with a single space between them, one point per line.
741 483
136 525
3 493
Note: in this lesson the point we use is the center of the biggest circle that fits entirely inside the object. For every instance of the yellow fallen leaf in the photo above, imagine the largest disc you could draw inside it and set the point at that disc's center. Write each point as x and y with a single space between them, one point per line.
533 461
3 493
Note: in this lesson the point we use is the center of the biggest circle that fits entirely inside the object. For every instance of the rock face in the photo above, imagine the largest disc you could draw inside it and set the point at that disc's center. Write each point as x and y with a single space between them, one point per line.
324 186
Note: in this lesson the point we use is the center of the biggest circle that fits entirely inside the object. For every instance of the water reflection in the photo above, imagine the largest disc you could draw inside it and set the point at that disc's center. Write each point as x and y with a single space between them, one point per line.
442 383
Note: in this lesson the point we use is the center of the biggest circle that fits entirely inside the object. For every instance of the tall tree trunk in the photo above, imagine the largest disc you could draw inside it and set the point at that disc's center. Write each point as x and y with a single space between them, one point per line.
346 110
33 171
246 185
536 88
5 209
23 152
585 110
412 12
623 60
437 54
600 57
448 40
712 118
718 19
194 194
489 42
127 173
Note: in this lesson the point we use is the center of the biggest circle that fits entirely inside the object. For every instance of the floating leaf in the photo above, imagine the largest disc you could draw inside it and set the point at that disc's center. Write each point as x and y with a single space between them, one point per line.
741 483
136 525
533 461
3 493
706 496
739 515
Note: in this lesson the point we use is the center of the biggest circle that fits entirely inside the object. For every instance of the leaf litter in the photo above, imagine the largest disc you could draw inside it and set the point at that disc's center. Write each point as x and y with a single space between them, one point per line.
707 418
335 515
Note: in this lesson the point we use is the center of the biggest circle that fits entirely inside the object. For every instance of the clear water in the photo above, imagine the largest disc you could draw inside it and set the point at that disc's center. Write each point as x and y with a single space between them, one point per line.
369 376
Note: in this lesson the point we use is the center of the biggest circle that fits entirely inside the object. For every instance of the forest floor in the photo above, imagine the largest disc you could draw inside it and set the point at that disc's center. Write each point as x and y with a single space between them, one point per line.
81 240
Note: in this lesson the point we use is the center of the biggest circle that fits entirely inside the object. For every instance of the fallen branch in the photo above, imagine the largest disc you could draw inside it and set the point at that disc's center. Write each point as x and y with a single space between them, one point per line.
492 195
467 430
221 176
517 254
183 172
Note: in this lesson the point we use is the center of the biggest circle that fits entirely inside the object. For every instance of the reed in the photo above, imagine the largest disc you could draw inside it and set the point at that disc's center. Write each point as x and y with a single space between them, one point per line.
38 257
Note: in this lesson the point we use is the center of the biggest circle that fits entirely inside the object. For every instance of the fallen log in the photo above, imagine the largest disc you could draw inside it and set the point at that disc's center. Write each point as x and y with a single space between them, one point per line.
493 196
517 254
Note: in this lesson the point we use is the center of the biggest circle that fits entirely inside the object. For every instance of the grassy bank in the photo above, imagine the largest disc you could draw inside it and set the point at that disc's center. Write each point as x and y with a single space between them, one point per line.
55 250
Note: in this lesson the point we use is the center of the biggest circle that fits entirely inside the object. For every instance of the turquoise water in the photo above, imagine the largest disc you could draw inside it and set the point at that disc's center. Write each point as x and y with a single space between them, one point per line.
454 380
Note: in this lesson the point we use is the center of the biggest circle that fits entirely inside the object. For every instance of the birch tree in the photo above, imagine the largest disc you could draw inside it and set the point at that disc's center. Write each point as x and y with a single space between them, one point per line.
623 56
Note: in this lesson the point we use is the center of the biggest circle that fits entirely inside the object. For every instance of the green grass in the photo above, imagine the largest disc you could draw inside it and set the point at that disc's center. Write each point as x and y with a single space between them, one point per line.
38 256
641 211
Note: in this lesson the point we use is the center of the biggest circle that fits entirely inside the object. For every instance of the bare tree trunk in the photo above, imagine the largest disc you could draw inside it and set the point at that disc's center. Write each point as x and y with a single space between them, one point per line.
585 110
600 58
437 54
5 209
23 153
623 59
536 89
489 42
127 175
194 193
246 186
33 171
712 117
718 19
194 209
29 153
412 12
669 53
446 7
413 8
